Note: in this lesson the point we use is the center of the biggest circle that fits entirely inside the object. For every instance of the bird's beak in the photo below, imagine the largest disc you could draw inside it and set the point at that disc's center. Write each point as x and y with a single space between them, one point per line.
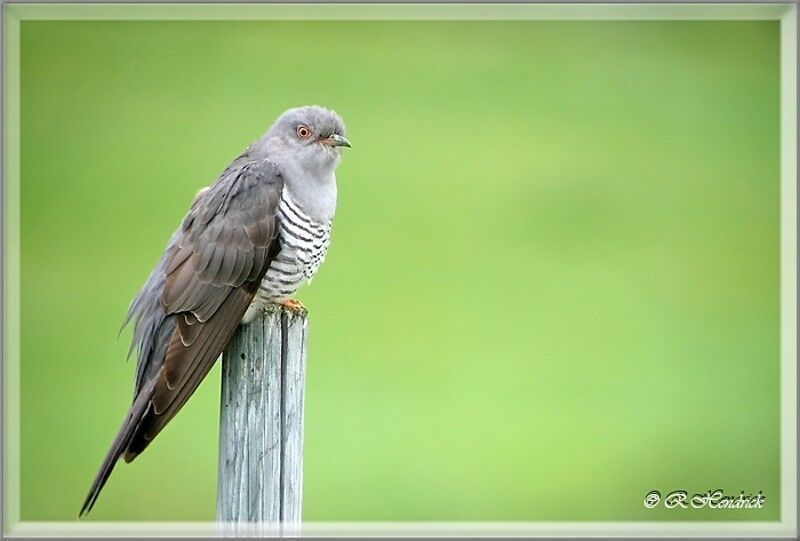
337 140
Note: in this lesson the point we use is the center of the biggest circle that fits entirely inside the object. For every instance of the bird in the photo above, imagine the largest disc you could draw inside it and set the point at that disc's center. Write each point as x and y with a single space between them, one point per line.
253 237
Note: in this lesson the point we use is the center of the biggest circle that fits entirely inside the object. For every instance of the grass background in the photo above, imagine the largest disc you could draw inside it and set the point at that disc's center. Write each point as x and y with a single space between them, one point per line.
552 287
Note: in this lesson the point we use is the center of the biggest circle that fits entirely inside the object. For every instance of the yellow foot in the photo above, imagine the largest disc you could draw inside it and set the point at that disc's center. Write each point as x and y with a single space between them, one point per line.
293 305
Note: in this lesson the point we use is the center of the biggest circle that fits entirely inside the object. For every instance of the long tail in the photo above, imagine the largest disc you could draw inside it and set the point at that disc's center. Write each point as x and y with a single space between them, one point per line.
136 413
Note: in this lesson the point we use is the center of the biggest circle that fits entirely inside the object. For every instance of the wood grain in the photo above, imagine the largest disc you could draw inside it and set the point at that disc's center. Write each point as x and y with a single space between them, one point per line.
260 486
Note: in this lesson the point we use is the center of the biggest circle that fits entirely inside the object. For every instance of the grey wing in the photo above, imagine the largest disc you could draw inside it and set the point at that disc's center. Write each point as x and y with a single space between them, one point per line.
210 275
223 243
189 308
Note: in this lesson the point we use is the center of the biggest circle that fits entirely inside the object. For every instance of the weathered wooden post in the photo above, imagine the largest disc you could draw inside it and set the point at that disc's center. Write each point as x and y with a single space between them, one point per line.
260 485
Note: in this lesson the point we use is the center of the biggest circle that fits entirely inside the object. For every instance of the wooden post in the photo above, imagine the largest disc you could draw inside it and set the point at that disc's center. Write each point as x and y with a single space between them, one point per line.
260 484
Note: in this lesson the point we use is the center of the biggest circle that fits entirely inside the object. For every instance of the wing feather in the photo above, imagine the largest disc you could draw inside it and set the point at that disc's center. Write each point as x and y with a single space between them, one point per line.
194 299
206 290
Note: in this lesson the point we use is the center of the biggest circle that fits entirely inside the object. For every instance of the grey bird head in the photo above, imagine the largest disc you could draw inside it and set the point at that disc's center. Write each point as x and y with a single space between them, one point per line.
306 138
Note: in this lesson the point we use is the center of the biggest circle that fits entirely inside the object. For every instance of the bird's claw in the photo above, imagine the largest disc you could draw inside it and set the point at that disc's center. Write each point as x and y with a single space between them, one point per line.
293 305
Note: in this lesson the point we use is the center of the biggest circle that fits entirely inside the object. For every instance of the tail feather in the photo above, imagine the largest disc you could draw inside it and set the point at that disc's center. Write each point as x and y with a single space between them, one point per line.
137 412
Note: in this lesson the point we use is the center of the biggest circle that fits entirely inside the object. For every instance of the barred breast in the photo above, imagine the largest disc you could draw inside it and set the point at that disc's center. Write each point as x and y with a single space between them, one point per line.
303 245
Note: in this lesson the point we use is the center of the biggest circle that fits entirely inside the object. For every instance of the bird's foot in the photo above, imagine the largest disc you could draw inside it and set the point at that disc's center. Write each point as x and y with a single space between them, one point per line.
293 305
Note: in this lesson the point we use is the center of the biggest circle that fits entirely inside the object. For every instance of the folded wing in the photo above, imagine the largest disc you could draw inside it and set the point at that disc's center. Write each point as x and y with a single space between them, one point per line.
195 298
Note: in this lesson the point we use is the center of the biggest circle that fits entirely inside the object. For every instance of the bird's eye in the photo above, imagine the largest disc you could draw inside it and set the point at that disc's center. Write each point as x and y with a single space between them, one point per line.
303 132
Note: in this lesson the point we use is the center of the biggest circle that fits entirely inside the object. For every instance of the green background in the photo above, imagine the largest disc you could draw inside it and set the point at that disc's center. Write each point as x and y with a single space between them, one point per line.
552 287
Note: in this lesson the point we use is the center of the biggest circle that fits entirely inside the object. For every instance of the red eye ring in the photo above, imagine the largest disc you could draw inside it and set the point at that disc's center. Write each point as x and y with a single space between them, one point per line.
303 131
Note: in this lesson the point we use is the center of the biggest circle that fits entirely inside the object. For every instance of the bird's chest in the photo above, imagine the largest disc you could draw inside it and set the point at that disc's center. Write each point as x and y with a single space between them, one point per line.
303 245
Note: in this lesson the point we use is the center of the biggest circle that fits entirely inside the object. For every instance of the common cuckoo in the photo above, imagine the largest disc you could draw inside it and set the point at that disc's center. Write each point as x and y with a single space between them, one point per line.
253 237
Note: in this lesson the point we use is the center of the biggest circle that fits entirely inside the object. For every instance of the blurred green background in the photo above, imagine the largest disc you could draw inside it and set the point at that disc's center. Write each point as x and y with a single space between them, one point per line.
552 287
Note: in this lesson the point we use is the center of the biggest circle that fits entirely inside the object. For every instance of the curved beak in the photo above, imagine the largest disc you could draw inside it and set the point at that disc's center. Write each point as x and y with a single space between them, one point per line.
337 140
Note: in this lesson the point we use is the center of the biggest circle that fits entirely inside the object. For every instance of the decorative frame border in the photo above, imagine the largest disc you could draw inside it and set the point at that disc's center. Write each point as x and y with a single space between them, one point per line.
787 13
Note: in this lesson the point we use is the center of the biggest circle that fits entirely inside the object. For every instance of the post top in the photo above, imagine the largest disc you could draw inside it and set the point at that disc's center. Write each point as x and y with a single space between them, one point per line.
295 309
